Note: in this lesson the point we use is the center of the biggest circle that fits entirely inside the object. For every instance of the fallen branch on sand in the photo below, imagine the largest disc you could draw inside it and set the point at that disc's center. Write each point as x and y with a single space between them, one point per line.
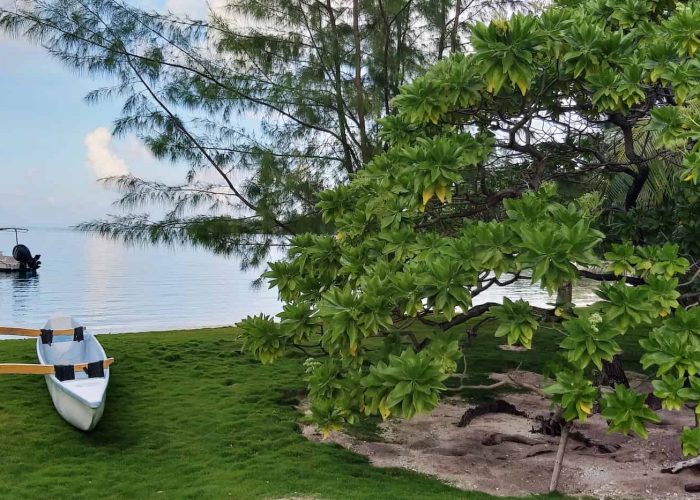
679 466
498 438
508 380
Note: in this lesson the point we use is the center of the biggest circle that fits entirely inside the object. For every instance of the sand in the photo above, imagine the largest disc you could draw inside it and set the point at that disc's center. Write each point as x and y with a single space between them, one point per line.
434 445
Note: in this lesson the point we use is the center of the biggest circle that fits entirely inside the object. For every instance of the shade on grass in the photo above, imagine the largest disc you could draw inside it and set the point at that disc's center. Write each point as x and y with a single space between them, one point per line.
485 357
187 416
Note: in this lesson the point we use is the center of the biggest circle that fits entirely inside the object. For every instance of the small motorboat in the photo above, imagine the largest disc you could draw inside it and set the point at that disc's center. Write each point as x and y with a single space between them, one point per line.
21 259
75 367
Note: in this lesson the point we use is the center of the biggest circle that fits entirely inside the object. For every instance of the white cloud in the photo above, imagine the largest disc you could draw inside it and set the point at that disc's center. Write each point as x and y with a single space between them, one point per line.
99 155
132 150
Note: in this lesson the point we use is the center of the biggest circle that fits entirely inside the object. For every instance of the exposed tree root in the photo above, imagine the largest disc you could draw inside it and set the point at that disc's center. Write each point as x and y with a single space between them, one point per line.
692 488
653 402
497 406
549 426
553 424
593 443
534 453
498 438
679 466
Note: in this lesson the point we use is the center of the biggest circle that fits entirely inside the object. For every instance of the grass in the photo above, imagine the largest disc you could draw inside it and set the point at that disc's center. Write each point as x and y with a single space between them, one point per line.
188 416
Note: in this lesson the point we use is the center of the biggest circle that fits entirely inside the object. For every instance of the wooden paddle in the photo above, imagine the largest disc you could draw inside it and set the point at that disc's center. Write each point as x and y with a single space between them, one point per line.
26 369
30 332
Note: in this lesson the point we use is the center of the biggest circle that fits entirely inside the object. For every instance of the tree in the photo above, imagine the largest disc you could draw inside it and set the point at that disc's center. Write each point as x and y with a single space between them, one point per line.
267 103
490 177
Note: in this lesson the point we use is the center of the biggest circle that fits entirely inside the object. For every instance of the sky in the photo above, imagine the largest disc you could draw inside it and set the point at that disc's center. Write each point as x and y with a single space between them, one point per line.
54 147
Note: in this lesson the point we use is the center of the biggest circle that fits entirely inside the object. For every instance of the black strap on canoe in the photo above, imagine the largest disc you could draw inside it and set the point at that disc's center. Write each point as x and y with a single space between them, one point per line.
46 336
95 369
79 334
64 372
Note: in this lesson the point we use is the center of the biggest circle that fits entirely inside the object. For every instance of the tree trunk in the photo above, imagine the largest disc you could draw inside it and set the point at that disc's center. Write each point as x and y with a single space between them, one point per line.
385 62
637 185
442 38
339 102
565 295
614 373
364 143
455 27
642 164
560 458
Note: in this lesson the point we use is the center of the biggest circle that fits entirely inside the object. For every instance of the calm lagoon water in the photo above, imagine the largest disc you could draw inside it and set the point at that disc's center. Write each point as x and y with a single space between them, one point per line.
112 288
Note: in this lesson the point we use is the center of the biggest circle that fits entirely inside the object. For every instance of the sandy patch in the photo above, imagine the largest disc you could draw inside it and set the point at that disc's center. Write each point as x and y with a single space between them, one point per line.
434 445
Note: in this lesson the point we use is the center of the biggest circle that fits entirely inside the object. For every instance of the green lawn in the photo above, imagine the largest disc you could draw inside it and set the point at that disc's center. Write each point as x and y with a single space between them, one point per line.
187 416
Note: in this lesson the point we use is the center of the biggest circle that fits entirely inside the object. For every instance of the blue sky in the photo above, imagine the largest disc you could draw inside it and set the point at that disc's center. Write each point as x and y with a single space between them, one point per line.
54 146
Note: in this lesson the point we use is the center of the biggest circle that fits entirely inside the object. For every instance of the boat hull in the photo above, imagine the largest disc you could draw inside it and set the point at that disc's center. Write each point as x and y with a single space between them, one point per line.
8 264
74 411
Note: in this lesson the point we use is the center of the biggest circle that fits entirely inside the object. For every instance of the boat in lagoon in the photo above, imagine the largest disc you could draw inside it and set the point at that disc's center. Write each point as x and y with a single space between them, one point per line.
75 367
21 259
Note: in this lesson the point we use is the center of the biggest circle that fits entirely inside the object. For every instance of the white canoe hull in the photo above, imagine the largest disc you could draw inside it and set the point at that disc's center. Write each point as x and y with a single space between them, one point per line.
74 411
81 402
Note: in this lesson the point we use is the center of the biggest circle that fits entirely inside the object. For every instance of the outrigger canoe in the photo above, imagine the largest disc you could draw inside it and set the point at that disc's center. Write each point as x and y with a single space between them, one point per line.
75 367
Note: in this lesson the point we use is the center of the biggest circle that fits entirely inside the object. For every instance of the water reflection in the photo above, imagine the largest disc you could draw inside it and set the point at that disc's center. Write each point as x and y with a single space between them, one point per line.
24 287
18 291
583 293
22 279
105 291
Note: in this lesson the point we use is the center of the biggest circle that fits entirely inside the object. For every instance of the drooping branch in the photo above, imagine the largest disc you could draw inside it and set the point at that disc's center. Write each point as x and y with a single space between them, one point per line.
631 280
203 151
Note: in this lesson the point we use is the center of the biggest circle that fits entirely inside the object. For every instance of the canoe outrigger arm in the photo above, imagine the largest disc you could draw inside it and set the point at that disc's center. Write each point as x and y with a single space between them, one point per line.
58 370
46 335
